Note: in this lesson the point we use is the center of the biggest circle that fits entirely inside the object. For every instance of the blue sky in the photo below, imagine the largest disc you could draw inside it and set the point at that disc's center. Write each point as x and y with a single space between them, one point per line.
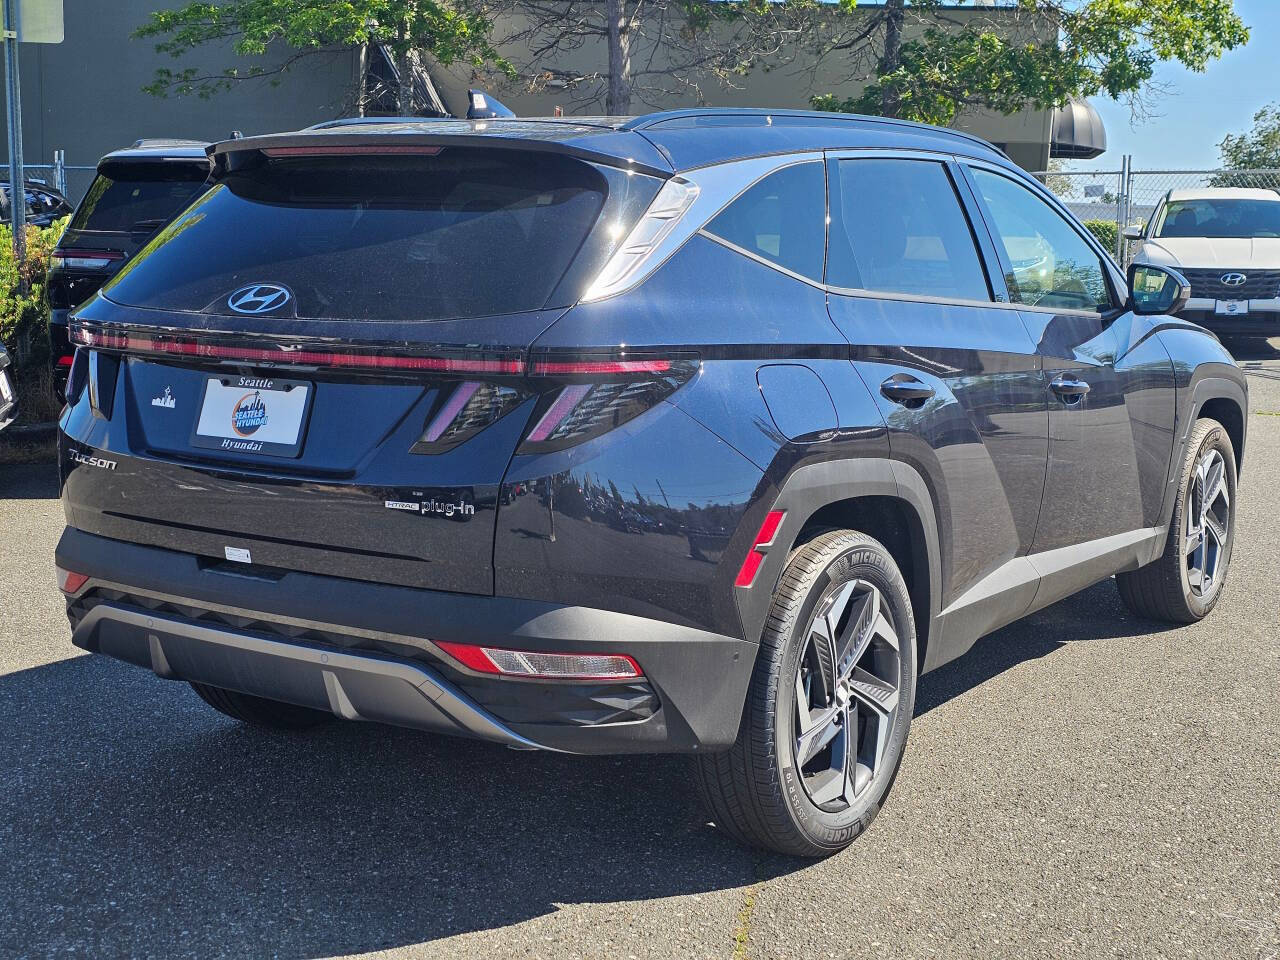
1200 108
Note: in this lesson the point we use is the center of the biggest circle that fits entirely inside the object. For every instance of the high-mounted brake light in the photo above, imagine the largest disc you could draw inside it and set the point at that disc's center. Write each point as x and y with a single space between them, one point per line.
755 556
285 354
77 259
69 582
671 203
327 150
532 664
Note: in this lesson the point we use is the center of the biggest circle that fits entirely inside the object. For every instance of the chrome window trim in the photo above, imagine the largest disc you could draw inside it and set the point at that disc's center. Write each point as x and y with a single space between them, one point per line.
718 186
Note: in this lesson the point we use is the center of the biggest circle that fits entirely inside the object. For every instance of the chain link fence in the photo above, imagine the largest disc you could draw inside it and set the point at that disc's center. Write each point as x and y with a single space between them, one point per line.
1110 200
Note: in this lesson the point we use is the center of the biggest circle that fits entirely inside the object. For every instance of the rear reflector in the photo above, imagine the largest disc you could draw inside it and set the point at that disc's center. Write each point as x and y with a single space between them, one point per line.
755 556
543 666
284 353
69 582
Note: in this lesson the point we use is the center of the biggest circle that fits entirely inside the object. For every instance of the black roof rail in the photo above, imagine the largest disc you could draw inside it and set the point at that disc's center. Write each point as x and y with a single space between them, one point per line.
819 117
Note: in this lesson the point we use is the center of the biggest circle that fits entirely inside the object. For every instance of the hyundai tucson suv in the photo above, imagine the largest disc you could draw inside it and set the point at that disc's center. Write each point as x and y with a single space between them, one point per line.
1226 242
137 191
707 431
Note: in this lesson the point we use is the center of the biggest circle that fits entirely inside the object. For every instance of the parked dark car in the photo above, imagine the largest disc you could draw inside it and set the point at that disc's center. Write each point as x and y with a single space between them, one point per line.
707 431
8 392
137 191
44 203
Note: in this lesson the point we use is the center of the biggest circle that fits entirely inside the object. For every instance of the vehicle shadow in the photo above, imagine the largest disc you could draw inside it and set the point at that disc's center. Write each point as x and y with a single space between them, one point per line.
28 481
134 820
1093 614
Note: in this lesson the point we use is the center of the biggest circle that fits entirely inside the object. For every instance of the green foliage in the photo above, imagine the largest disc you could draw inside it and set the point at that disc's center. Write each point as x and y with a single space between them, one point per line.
24 317
1105 230
1065 49
452 31
1259 148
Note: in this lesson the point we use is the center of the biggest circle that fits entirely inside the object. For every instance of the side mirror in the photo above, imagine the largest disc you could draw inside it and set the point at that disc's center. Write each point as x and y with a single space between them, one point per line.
1157 290
1134 232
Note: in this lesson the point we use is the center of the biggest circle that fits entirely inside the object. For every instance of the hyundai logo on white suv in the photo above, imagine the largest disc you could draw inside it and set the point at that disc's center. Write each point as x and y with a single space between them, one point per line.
1226 242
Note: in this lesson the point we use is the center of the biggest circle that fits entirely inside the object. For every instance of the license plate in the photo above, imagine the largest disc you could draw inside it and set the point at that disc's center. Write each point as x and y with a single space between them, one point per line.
6 389
252 415
1232 308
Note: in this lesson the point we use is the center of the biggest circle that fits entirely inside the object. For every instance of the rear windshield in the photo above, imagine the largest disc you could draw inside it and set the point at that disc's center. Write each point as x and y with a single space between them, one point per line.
466 233
1221 218
141 201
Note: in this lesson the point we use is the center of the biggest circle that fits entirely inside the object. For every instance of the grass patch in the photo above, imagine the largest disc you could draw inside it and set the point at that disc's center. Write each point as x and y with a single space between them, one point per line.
14 449
36 400
742 934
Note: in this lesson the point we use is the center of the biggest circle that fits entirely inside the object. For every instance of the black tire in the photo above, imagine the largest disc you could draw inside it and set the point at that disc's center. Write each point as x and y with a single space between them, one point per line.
755 791
1165 589
259 711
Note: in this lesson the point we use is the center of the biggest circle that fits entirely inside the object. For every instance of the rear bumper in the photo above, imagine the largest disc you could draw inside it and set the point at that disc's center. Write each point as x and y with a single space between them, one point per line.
366 651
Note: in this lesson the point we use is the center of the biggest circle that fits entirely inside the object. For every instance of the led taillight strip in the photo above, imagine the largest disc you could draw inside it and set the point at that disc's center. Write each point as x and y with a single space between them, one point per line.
178 346
553 368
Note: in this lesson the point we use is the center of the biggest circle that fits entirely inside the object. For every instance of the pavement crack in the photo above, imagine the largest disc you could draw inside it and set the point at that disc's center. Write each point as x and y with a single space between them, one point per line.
742 932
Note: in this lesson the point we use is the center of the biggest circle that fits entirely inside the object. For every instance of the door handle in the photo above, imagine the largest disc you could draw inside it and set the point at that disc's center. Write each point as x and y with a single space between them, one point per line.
1068 388
904 388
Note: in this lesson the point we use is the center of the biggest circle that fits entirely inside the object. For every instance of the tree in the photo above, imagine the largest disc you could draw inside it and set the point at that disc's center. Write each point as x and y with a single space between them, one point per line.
1259 149
450 30
609 53
926 59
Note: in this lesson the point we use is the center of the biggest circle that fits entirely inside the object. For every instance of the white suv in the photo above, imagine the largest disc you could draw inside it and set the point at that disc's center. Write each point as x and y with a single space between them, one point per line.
1226 242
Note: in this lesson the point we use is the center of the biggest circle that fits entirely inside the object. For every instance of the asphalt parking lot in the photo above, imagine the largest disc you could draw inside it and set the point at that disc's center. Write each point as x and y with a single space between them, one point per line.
1083 784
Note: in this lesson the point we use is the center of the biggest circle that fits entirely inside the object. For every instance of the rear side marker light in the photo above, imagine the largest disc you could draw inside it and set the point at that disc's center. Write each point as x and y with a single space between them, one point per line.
755 556
65 361
543 666
69 582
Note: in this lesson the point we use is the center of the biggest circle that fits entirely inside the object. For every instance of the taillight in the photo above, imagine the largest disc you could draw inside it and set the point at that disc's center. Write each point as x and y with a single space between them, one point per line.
276 353
599 396
533 665
467 408
77 259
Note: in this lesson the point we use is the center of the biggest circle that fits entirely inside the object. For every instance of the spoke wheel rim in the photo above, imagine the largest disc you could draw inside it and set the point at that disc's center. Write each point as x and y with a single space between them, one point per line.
1208 525
848 685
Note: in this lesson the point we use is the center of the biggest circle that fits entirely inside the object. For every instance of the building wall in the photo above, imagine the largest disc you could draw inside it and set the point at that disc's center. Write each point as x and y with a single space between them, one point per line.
84 95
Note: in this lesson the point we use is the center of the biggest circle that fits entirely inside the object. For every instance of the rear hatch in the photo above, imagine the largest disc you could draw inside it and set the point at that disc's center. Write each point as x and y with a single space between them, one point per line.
322 364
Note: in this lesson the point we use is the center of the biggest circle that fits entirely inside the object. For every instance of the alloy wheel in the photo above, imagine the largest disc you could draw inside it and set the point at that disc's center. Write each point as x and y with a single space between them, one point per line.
848 684
1208 524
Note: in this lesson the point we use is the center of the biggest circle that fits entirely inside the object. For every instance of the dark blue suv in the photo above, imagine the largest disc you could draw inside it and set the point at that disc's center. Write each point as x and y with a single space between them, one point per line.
707 431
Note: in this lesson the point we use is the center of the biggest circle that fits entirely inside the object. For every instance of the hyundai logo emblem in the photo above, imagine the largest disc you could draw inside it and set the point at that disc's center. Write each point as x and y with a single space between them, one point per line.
258 298
1233 279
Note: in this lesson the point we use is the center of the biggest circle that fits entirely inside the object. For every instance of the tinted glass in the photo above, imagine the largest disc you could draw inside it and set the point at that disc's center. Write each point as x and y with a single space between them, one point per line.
143 204
1221 218
782 219
1052 264
471 232
897 227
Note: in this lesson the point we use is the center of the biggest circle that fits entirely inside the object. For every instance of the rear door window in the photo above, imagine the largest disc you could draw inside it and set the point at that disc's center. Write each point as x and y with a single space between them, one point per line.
780 219
897 227
469 232
138 200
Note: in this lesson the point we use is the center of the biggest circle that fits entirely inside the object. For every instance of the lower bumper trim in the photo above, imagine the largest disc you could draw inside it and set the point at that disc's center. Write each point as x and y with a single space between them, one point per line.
351 686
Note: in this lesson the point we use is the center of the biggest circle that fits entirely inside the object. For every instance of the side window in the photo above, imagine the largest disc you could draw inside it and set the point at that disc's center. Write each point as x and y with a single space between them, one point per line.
897 227
1052 264
782 219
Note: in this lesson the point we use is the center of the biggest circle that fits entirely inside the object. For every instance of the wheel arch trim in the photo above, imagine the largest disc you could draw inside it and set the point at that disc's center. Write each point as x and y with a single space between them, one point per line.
814 486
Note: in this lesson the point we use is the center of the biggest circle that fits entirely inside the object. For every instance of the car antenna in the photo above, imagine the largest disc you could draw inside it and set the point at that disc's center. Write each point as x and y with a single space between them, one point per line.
482 106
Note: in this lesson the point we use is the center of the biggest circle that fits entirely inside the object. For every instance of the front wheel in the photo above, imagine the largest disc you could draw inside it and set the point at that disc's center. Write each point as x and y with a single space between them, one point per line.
825 724
1186 581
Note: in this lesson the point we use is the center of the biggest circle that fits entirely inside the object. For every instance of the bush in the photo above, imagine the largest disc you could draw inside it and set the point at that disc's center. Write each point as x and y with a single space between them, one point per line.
24 318
1106 232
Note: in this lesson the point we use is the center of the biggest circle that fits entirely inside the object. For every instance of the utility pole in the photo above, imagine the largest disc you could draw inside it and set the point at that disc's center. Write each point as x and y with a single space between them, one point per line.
17 185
